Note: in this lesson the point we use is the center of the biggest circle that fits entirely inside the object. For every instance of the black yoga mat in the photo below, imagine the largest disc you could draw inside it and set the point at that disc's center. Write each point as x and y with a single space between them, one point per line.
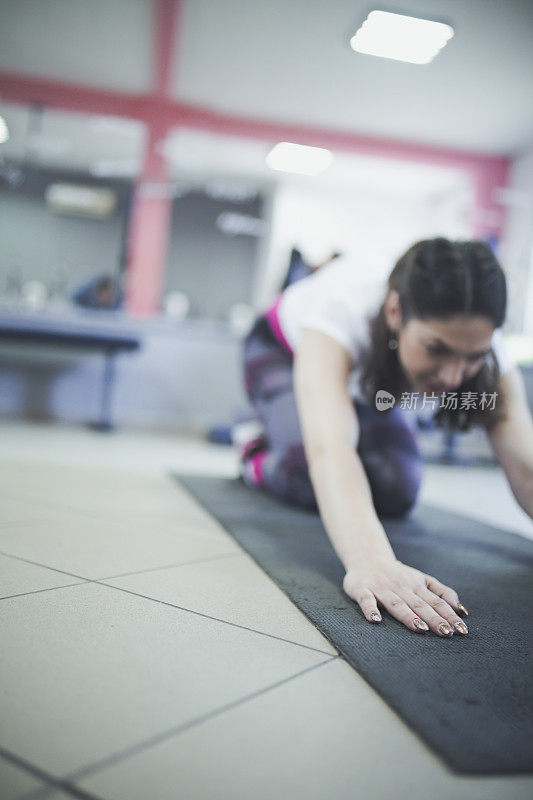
469 697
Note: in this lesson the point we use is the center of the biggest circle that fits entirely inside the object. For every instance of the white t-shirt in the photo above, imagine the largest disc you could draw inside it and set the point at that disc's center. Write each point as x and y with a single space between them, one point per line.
338 301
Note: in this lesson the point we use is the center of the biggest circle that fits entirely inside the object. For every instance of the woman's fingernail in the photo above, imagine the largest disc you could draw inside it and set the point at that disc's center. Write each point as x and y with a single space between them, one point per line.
375 617
445 629
461 627
420 624
461 607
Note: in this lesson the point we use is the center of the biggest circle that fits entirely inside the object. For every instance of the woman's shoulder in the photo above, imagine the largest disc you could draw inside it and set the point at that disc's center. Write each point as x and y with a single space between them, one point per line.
340 305
343 280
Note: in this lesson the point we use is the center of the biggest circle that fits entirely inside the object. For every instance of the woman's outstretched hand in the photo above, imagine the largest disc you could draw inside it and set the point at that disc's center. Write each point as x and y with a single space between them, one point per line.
414 598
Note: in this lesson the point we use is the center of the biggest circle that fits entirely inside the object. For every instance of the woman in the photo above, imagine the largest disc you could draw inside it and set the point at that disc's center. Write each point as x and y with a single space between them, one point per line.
314 363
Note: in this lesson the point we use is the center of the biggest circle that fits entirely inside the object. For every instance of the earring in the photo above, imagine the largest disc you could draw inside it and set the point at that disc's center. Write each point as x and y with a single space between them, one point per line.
393 343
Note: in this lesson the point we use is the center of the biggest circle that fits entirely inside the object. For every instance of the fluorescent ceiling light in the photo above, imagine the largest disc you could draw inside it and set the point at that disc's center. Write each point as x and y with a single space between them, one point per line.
4 131
288 157
400 37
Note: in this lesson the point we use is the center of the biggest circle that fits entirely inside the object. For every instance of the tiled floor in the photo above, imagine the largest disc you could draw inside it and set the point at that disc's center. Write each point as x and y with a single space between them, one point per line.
145 656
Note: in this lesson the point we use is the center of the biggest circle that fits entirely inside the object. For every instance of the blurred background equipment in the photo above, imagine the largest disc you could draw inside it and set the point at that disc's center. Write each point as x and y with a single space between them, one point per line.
102 292
177 305
83 201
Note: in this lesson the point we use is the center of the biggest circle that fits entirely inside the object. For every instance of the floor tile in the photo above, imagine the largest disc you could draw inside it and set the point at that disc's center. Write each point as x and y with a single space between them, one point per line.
90 671
94 548
324 734
127 449
38 495
234 589
88 489
15 510
19 577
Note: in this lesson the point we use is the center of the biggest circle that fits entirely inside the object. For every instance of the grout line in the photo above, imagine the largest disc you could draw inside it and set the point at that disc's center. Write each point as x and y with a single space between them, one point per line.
100 582
104 763
66 787
44 566
110 577
121 575
52 782
169 566
215 619
39 591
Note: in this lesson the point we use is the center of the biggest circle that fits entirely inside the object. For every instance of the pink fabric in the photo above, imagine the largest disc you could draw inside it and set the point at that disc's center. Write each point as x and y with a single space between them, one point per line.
273 320
257 467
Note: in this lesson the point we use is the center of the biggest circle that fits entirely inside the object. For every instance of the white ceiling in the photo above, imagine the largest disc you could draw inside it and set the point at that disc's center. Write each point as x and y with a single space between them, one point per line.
104 43
290 61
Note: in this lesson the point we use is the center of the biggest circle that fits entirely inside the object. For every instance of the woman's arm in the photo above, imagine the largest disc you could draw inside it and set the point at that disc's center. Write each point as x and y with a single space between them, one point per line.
512 439
330 433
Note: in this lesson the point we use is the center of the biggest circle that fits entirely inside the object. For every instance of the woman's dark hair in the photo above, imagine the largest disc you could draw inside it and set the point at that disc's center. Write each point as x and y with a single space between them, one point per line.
438 278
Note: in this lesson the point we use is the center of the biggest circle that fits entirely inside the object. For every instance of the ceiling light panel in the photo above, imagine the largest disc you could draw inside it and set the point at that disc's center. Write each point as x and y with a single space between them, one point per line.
400 37
299 158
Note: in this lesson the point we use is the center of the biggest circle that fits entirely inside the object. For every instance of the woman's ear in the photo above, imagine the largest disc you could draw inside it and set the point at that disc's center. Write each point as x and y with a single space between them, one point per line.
392 310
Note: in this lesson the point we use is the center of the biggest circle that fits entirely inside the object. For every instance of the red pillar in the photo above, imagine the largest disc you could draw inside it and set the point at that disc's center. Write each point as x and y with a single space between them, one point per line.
150 220
489 214
149 233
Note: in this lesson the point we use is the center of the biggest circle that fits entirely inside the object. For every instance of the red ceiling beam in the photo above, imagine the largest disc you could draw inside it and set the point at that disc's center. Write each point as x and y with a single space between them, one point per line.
27 89
154 109
232 125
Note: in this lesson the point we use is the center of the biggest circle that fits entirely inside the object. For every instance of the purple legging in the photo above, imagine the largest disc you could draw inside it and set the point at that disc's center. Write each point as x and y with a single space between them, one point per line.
387 446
